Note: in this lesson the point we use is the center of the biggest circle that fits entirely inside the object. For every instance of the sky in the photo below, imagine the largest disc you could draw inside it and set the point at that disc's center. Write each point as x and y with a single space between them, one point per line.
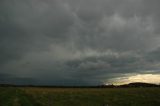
79 42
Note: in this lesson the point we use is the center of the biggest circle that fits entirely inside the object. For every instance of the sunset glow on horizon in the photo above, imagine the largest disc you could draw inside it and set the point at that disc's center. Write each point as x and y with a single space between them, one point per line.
145 78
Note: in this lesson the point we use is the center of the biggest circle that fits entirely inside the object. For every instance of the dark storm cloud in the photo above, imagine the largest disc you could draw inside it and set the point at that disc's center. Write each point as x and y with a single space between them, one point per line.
78 41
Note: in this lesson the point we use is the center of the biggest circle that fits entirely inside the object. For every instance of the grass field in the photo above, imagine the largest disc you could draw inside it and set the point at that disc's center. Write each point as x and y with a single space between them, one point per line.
12 96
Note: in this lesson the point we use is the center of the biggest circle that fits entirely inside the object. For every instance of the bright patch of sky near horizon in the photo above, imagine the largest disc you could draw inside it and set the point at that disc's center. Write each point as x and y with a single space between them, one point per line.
146 78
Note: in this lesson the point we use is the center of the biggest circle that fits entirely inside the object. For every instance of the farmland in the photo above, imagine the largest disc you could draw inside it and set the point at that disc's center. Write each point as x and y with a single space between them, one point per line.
41 96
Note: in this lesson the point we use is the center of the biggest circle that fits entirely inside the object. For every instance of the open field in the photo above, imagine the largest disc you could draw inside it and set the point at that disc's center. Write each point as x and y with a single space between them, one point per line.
32 96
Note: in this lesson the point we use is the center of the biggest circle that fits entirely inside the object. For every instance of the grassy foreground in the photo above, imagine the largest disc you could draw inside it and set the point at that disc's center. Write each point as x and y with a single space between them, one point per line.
12 96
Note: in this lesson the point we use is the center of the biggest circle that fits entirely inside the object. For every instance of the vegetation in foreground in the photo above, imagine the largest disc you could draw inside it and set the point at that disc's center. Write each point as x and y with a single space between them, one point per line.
36 96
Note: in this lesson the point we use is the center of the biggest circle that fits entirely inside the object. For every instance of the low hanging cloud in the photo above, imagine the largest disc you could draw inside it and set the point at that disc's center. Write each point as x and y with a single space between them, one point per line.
72 42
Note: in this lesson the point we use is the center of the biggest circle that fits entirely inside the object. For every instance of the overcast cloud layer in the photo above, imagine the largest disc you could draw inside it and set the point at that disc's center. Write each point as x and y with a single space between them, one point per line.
78 42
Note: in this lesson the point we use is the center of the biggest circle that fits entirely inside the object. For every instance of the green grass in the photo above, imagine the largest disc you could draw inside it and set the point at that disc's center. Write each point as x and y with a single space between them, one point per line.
79 96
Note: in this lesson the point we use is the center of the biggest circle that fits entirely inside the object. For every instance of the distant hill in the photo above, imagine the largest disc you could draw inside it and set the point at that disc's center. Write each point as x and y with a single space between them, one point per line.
130 85
139 84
